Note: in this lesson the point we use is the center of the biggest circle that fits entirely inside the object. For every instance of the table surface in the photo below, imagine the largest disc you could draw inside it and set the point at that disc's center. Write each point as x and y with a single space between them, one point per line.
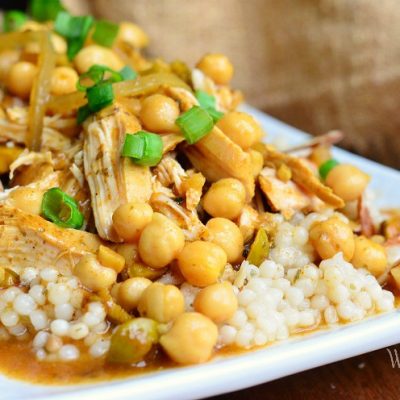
366 377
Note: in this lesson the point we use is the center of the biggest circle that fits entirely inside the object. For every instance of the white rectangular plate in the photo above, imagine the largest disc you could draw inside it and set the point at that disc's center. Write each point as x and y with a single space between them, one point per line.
236 372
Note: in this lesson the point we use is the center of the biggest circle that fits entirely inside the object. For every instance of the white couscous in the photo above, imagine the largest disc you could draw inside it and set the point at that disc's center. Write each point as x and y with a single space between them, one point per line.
145 222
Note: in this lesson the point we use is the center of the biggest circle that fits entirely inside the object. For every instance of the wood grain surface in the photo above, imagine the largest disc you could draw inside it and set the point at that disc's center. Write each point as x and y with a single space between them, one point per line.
366 377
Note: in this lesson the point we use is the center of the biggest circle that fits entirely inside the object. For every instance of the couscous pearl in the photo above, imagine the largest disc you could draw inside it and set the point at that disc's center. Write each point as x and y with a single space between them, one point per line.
68 352
59 327
243 338
59 293
319 302
338 293
24 304
78 331
9 318
306 318
10 294
363 299
100 328
37 292
4 335
268 269
40 339
73 282
39 319
260 338
246 296
3 305
90 339
28 275
227 334
282 333
17 330
300 235
64 311
99 348
49 274
239 318
91 319
330 315
41 354
295 296
346 310
97 309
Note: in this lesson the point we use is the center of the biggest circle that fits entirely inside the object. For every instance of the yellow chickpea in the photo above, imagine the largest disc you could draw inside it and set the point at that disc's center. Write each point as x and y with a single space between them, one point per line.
130 292
191 339
162 303
225 198
158 113
26 199
217 67
160 242
63 81
347 181
132 34
217 302
370 255
332 236
257 161
7 59
95 54
21 77
227 235
130 219
201 263
241 128
93 275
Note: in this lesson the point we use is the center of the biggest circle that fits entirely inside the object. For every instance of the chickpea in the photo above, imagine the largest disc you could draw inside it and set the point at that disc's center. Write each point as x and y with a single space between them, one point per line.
241 128
130 292
201 263
227 235
370 255
21 77
92 274
63 81
217 302
159 113
132 34
95 54
162 303
7 59
217 67
347 181
332 236
130 219
257 161
27 199
191 339
160 242
225 198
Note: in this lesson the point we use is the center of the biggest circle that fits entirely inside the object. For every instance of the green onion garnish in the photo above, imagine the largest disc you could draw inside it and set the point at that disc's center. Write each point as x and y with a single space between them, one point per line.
74 29
100 96
61 209
215 114
96 74
127 73
105 33
13 20
205 100
45 10
326 167
195 124
83 113
144 148
208 102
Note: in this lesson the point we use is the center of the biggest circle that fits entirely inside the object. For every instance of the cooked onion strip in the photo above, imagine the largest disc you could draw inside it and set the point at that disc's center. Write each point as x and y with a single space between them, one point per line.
40 92
141 86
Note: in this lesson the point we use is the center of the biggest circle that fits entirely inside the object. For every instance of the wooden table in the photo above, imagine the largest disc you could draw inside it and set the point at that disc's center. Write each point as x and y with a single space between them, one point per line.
366 377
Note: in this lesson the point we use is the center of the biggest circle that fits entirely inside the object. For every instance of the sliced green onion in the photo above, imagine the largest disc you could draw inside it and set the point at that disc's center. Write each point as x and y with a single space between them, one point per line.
100 96
144 148
215 114
96 74
61 209
128 74
326 167
82 114
45 10
74 29
105 33
13 20
195 124
205 100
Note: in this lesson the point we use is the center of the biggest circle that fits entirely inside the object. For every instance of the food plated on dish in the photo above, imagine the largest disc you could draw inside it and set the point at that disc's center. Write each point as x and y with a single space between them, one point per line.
145 223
